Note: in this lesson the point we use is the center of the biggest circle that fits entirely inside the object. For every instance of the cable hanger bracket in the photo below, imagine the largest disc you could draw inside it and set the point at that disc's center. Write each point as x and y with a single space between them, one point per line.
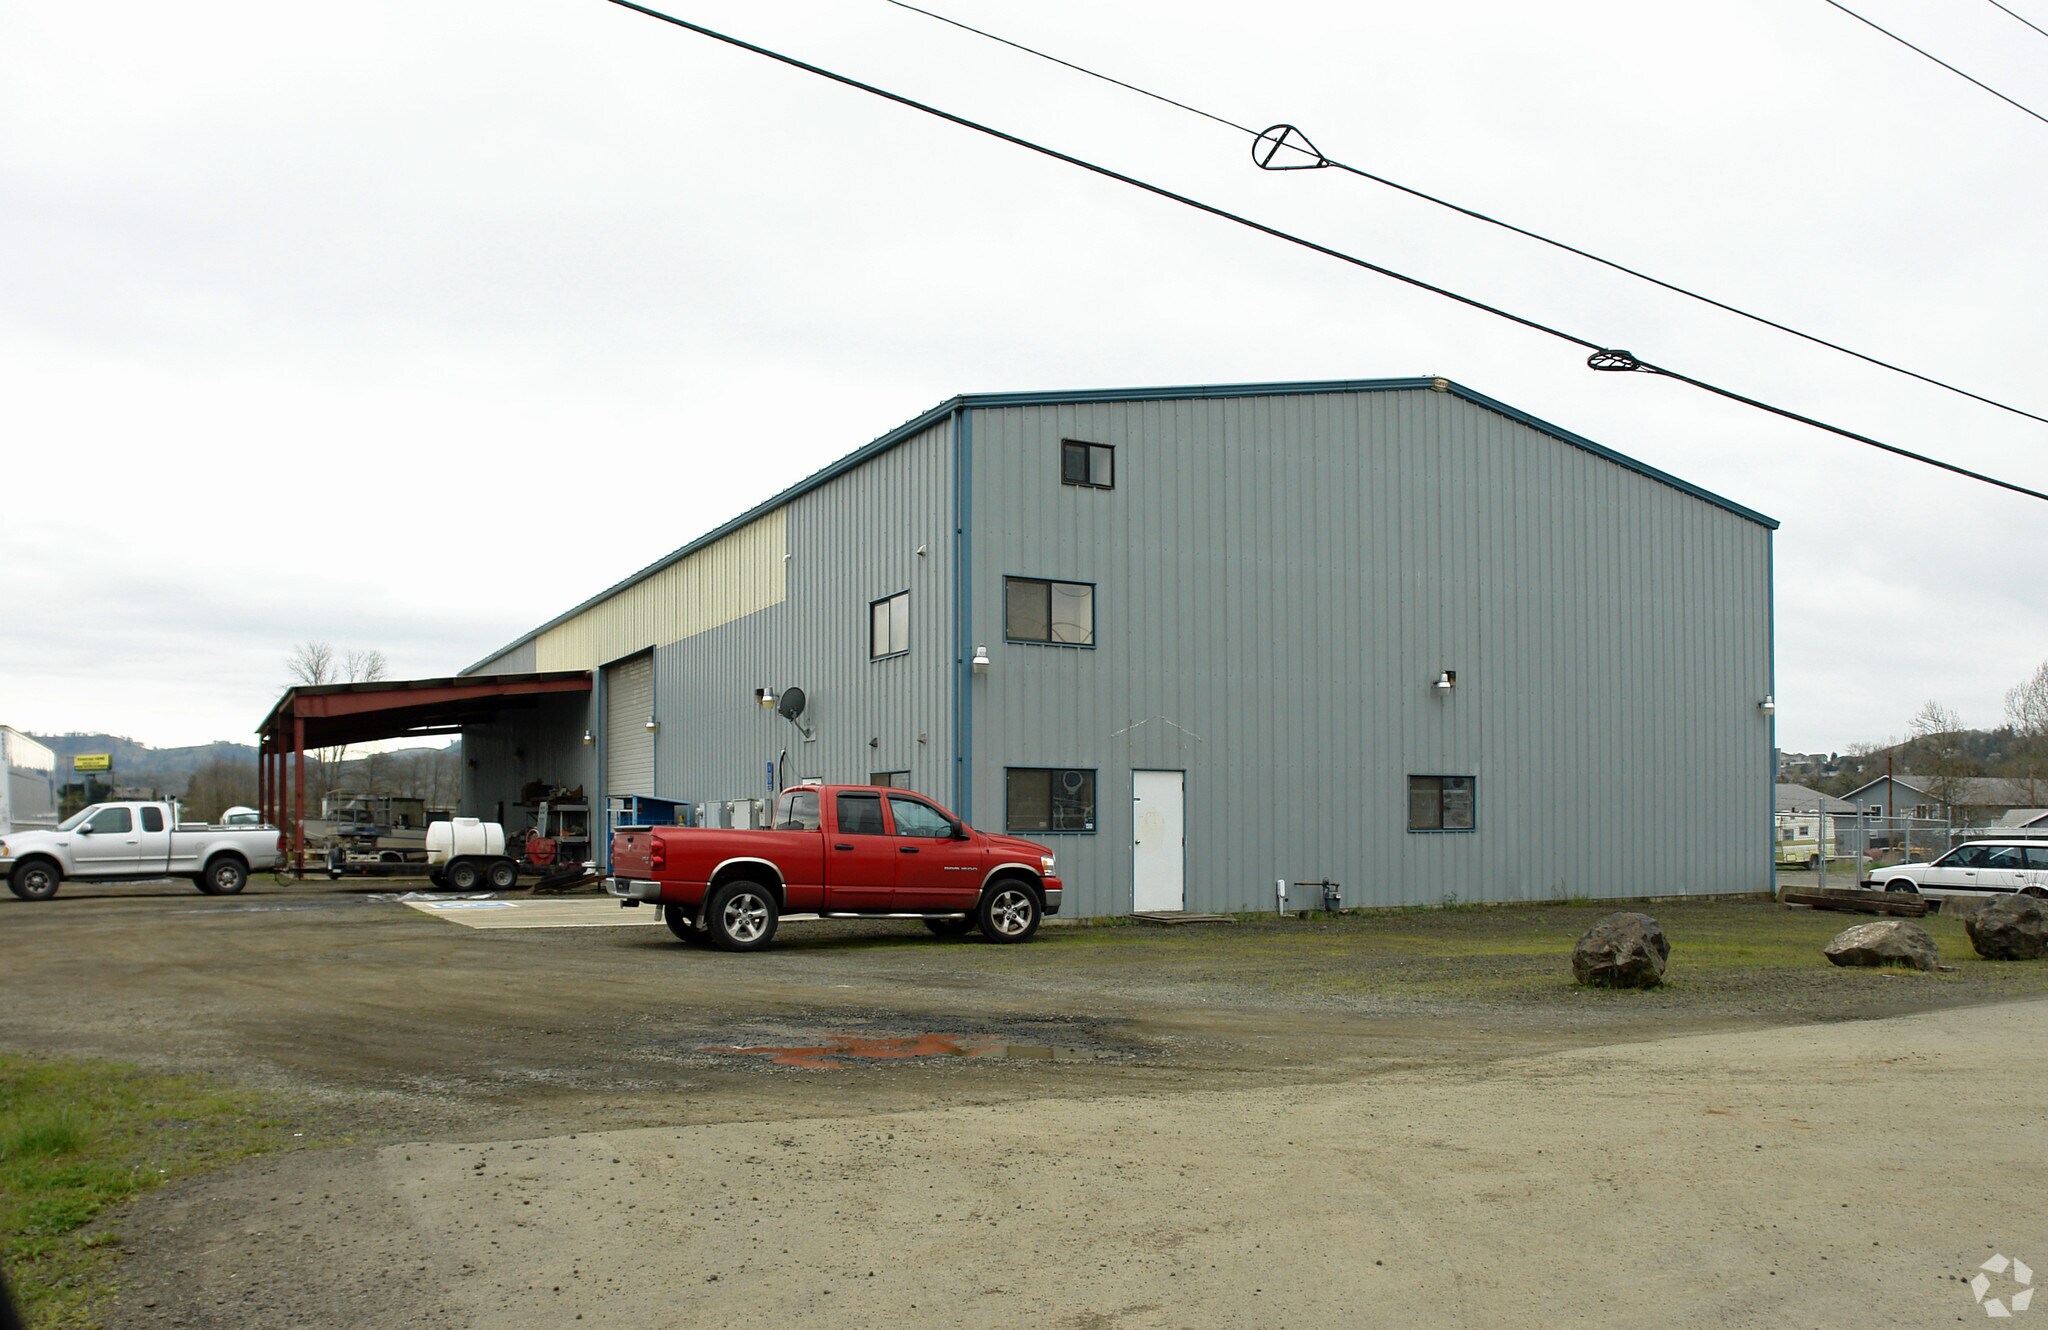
1271 141
1612 361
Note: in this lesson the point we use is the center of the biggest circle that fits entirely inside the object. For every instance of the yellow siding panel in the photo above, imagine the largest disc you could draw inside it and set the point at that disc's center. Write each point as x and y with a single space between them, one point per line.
726 580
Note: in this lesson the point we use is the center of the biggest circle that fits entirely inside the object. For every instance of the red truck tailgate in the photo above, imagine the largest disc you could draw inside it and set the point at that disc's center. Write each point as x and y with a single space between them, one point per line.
630 852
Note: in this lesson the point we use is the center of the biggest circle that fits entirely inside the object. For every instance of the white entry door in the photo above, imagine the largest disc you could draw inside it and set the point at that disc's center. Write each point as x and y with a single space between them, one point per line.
1159 840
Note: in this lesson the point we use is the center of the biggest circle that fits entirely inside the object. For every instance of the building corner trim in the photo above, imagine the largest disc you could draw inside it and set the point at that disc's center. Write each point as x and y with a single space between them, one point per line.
963 613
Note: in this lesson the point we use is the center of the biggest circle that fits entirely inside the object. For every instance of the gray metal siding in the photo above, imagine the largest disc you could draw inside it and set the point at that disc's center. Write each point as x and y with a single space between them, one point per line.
851 542
1278 580
543 744
629 746
515 660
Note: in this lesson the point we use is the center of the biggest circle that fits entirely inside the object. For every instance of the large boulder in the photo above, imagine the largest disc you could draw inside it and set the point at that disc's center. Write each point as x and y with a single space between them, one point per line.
2011 928
1622 950
1890 942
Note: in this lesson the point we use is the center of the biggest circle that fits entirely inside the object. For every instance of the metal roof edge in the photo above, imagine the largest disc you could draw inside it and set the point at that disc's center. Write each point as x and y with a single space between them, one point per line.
1057 397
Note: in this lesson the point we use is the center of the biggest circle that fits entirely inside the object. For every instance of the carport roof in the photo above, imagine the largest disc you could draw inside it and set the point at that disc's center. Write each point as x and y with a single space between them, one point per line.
347 713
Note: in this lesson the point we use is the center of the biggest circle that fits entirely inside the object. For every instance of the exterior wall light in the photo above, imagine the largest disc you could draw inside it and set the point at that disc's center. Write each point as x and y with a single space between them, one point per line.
651 725
588 738
766 697
1446 680
1768 705
980 661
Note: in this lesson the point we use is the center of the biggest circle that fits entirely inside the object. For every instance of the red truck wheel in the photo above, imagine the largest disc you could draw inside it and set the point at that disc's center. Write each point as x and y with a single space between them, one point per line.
1009 912
677 917
743 916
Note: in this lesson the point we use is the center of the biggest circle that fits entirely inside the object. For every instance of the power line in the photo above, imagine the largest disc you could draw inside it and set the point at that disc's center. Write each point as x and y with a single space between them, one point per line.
1602 358
1291 140
1939 61
2035 26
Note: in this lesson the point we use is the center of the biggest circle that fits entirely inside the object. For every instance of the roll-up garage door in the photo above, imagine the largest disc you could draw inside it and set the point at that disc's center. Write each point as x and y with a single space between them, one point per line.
628 743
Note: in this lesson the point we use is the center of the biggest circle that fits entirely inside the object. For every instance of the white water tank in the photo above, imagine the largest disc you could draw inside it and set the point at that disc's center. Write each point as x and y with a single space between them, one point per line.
463 838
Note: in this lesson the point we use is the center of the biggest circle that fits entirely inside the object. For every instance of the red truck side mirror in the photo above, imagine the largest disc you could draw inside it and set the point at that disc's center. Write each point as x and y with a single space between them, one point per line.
959 831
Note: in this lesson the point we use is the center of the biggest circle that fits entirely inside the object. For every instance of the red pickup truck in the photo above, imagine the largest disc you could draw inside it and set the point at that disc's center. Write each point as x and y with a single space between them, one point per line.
836 850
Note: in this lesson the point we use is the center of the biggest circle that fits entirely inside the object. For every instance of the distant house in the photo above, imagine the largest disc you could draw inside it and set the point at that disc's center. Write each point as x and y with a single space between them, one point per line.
1971 801
1810 824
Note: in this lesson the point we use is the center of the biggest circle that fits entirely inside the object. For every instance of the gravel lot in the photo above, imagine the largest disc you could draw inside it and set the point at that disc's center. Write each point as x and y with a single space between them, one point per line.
1269 1123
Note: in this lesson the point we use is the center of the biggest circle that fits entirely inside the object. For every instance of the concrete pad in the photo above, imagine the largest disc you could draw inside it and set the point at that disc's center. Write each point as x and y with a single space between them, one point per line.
570 912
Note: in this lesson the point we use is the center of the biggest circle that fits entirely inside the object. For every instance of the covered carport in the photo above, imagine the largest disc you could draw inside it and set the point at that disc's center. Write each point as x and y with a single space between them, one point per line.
337 715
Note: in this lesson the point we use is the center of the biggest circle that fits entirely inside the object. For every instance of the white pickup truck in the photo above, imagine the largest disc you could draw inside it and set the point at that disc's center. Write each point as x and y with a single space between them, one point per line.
132 842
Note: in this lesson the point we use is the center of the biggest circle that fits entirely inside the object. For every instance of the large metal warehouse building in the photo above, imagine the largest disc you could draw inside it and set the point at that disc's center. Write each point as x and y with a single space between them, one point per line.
1387 633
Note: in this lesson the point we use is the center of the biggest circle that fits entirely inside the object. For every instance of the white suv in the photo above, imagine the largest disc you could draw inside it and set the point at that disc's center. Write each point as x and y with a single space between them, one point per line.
1976 868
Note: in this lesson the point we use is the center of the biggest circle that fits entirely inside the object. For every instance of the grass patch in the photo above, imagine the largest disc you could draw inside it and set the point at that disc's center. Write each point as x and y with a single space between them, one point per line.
79 1137
1739 956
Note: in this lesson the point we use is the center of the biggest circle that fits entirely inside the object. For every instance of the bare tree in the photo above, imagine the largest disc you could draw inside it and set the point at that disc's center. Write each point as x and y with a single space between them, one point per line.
2026 710
1937 731
314 663
217 784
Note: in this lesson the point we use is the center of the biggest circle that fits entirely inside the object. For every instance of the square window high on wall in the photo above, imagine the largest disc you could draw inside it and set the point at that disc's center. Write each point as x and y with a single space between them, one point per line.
1090 465
1442 803
1054 613
889 626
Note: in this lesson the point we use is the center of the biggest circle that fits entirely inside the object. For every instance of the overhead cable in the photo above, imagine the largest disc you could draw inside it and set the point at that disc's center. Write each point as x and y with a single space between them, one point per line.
1939 61
1297 144
1602 358
2029 22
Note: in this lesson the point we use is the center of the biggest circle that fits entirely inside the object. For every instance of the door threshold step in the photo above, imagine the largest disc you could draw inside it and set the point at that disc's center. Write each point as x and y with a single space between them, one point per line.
1173 918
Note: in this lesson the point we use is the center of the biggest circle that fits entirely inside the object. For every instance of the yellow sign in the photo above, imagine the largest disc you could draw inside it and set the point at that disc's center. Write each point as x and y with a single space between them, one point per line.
92 762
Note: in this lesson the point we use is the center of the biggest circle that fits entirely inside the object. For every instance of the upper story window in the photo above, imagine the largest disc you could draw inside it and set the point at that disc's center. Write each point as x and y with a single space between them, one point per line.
1056 613
889 626
1092 465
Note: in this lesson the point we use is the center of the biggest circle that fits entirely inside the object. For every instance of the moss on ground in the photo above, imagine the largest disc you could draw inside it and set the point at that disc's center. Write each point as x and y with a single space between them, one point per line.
79 1137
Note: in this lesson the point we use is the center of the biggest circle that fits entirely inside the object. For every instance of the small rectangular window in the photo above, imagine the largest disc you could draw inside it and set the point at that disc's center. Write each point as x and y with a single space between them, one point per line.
1092 465
899 780
1442 803
152 819
1055 613
1049 799
889 626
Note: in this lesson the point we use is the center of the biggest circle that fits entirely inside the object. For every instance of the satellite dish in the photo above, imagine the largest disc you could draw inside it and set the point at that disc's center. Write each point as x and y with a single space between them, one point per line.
791 704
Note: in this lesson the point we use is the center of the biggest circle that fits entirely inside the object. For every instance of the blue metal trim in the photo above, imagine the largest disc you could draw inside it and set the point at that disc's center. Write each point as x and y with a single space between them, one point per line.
958 406
1820 826
963 613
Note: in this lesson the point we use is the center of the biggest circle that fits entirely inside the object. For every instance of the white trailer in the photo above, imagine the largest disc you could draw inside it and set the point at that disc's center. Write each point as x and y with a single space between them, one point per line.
28 790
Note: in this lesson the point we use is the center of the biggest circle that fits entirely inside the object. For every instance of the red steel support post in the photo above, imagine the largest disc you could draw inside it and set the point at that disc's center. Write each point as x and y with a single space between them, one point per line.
299 797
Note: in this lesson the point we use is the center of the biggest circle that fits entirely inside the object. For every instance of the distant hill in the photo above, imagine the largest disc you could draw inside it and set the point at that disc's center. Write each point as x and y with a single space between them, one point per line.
136 763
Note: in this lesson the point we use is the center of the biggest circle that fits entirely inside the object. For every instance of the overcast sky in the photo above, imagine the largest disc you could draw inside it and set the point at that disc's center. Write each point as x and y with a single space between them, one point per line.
409 325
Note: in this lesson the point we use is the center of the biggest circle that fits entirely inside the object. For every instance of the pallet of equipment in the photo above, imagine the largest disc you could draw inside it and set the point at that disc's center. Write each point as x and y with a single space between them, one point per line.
1900 903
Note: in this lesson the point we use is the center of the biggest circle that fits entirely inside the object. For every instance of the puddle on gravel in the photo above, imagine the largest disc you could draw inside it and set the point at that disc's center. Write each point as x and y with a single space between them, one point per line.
837 1051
